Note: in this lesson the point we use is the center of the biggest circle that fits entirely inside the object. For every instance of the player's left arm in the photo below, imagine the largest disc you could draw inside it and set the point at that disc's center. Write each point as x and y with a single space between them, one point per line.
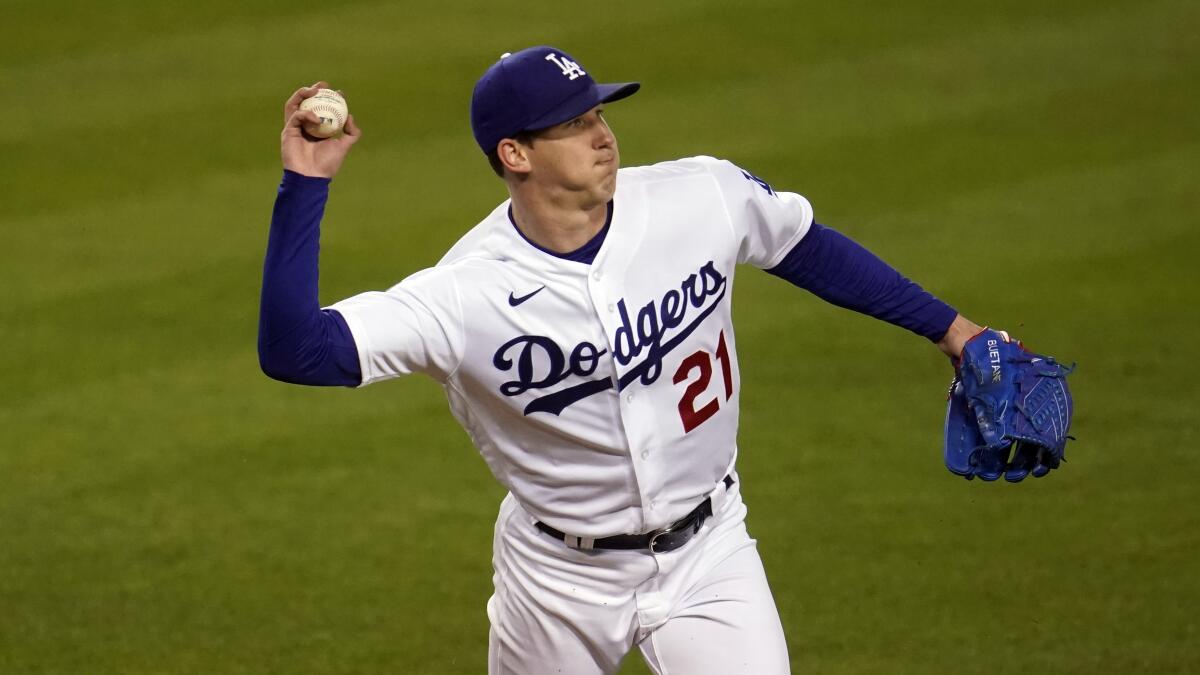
1009 409
839 270
775 231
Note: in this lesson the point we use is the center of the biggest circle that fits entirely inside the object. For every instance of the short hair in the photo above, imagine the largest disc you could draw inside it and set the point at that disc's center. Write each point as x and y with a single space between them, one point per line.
522 137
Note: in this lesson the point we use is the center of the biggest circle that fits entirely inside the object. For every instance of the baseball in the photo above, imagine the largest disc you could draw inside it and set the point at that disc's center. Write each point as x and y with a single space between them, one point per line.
331 108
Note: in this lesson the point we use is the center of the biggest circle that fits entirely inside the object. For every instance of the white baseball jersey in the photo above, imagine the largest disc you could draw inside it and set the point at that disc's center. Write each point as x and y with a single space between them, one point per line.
604 396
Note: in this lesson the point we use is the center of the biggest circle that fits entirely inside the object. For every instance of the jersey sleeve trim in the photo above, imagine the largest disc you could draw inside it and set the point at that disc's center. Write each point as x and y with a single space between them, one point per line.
363 342
427 304
797 237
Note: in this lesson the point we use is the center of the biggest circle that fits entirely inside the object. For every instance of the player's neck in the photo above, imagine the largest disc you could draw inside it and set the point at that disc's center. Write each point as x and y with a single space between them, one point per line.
558 227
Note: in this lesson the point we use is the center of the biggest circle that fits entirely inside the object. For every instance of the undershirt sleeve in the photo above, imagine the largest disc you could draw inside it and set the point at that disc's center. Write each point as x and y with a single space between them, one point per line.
298 342
840 271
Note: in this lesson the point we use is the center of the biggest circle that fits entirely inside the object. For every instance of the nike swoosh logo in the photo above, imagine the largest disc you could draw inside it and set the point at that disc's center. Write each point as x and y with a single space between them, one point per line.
514 301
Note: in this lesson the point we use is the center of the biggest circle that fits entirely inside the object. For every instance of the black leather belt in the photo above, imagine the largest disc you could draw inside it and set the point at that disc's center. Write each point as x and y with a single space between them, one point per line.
666 539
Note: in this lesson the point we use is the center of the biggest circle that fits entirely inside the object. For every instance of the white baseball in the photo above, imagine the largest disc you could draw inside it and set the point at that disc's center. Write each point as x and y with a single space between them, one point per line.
331 108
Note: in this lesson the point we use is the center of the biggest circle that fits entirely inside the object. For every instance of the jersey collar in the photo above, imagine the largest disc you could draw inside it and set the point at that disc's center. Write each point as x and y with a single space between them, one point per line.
584 254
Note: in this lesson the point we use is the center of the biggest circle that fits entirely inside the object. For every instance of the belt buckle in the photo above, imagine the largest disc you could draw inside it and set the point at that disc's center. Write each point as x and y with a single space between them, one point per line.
671 529
654 539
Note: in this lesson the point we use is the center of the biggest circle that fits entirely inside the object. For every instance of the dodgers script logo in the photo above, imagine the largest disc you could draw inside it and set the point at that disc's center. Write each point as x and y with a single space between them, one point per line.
658 327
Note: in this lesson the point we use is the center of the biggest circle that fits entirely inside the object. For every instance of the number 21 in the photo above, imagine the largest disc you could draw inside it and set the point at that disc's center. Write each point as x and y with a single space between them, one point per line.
689 414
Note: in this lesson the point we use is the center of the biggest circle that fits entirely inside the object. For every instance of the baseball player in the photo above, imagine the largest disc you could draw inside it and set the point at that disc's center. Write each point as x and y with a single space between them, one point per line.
583 334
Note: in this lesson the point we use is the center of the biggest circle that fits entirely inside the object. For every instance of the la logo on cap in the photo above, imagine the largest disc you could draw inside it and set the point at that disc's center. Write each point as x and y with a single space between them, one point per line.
568 67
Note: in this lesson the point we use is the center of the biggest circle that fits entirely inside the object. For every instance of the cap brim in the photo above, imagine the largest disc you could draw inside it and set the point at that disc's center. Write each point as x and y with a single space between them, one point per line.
583 102
616 92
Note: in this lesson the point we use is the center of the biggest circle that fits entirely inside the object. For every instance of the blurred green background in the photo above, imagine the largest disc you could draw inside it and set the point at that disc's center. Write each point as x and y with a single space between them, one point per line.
165 508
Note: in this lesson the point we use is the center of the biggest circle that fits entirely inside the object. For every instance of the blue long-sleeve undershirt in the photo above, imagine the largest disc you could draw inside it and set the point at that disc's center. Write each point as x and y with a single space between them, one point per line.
840 271
299 342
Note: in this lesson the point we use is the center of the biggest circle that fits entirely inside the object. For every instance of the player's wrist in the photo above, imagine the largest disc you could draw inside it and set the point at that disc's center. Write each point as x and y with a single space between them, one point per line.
300 178
961 330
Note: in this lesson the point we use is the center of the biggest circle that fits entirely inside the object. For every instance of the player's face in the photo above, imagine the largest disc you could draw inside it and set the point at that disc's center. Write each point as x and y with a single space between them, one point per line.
578 156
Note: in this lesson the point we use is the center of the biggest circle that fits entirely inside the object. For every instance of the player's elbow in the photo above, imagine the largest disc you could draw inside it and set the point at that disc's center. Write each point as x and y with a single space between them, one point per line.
318 367
279 361
276 367
288 370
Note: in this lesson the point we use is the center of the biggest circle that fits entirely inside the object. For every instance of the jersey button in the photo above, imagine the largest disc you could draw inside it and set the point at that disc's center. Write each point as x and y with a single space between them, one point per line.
645 454
596 275
611 308
629 398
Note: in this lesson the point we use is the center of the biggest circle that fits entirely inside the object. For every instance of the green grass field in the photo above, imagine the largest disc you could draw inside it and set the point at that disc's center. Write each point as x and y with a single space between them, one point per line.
165 508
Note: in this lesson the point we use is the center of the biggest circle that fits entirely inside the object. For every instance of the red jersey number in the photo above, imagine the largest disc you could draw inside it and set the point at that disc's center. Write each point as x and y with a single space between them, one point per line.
701 361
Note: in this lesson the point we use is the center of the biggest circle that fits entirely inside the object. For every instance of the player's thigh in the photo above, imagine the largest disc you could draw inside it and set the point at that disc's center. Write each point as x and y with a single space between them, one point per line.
727 624
529 638
566 653
558 610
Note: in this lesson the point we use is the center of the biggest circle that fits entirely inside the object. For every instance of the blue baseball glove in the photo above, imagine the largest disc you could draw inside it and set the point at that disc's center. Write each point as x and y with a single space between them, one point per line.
1009 411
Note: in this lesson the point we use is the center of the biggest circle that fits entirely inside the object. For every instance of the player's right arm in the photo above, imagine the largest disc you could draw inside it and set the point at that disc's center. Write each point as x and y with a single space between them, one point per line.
413 327
298 341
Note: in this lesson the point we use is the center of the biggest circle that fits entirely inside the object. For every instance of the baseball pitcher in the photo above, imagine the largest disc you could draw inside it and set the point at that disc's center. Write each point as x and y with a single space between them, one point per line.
583 334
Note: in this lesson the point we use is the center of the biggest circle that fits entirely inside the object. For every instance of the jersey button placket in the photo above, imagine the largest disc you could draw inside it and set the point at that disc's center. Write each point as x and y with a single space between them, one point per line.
602 294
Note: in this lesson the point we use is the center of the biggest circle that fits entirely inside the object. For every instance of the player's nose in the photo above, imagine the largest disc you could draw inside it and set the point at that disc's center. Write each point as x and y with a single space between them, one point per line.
604 136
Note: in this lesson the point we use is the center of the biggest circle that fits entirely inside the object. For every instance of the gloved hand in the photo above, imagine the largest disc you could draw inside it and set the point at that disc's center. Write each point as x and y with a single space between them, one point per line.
1009 411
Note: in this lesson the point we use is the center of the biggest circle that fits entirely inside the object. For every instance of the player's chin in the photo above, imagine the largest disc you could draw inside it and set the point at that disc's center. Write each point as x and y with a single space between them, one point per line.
606 187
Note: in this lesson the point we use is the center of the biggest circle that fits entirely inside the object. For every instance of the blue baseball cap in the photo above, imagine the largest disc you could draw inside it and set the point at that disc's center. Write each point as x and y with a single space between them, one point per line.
533 89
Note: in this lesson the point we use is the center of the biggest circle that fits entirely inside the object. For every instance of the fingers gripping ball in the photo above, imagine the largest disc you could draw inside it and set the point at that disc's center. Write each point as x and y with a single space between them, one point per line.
1009 411
331 108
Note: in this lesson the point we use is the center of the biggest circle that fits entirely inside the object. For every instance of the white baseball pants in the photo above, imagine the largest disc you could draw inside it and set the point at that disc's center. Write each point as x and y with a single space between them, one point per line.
702 609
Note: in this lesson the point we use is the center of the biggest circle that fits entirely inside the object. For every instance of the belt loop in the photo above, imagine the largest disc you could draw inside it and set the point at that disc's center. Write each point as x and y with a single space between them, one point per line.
721 493
581 543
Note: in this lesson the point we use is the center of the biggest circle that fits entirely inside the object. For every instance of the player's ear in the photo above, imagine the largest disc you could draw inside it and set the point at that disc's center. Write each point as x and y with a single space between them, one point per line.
513 155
